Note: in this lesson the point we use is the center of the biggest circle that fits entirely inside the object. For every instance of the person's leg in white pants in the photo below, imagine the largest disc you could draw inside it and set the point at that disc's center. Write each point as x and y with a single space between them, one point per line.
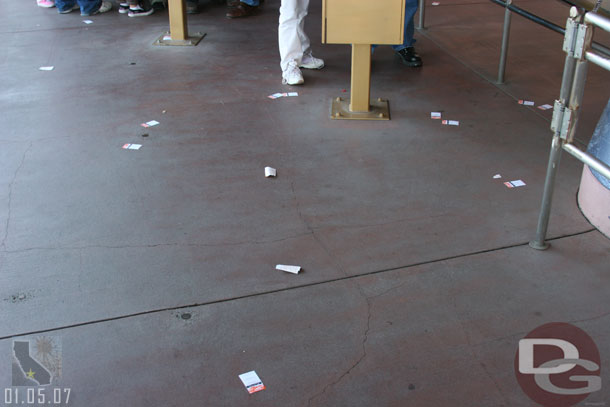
292 39
295 47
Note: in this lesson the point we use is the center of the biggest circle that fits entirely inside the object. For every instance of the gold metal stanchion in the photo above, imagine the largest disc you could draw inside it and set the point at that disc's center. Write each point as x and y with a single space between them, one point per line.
178 29
360 106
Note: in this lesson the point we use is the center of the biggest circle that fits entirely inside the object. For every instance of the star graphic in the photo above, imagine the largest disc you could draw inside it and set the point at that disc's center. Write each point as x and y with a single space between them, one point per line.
30 374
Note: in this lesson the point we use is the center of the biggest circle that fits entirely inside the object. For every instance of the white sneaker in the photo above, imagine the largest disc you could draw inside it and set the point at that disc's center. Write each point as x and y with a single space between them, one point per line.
104 7
292 75
311 62
140 12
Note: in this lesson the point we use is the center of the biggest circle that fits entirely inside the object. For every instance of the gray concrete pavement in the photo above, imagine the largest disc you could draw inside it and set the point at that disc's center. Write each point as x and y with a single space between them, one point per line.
417 283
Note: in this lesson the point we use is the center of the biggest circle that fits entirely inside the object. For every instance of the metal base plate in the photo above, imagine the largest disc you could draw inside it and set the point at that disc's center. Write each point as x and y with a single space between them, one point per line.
192 40
535 245
380 110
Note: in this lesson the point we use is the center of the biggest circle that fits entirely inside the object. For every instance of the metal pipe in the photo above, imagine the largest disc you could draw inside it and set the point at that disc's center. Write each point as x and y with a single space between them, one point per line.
545 23
588 159
600 49
530 16
576 94
422 14
598 59
539 242
566 83
505 37
598 21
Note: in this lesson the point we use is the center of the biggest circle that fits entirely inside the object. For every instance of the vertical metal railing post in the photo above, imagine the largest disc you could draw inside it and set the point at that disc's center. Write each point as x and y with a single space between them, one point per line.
539 242
567 83
505 37
422 14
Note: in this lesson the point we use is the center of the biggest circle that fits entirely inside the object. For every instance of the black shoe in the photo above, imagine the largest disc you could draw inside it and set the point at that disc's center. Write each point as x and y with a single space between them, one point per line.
409 57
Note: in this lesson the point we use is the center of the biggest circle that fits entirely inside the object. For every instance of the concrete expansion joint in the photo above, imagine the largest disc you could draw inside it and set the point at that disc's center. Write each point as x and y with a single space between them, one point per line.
10 196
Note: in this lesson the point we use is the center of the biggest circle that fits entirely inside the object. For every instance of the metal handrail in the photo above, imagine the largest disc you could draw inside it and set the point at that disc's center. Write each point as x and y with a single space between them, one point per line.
538 20
530 16
546 23
578 40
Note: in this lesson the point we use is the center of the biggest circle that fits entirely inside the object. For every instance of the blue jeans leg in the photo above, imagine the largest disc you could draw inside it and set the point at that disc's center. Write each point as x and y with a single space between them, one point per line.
253 3
88 7
64 5
410 10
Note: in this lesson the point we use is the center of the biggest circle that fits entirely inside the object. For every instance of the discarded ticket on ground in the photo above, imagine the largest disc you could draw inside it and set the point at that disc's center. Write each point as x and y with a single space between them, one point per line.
270 172
132 146
435 115
545 107
288 269
283 95
150 123
87 21
451 122
497 176
514 184
46 68
526 102
252 382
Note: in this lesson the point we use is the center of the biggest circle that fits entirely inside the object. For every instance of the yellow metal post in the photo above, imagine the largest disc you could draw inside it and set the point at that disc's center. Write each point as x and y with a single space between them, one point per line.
178 29
177 20
360 106
361 78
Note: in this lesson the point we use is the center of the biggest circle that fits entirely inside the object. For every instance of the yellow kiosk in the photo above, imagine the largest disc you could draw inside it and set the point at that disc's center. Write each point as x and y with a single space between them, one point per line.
362 23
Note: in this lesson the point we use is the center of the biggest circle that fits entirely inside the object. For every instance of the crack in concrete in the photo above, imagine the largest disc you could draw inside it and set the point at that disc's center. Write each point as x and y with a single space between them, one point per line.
80 269
360 359
298 208
605 314
473 355
10 196
496 385
360 290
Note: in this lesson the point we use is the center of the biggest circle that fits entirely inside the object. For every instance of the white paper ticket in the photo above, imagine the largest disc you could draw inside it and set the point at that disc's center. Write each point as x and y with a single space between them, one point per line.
132 146
514 184
270 172
252 382
288 269
150 123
